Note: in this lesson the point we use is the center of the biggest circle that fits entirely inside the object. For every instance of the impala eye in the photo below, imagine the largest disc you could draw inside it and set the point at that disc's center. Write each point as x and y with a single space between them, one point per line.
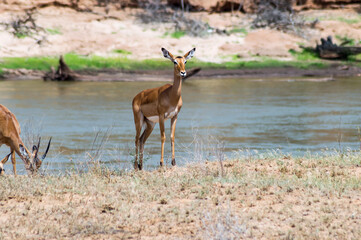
185 62
175 62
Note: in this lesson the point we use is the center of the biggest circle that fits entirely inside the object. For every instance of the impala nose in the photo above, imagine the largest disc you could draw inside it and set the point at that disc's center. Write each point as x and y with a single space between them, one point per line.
183 74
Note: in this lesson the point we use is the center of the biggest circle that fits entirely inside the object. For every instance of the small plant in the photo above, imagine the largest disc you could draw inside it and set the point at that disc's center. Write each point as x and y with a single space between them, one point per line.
238 30
307 54
178 34
349 20
122 51
346 41
55 31
25 26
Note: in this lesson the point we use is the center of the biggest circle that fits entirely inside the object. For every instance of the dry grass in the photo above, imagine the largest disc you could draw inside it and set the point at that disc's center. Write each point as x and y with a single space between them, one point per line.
252 196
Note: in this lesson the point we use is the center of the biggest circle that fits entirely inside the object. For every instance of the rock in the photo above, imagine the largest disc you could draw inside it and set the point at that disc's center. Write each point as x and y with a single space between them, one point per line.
250 6
208 5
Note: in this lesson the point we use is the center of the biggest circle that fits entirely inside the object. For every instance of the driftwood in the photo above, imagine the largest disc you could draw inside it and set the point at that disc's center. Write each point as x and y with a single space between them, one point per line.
330 50
63 73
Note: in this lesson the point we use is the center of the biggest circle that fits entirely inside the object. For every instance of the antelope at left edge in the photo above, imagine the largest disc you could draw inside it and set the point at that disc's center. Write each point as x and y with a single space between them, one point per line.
10 136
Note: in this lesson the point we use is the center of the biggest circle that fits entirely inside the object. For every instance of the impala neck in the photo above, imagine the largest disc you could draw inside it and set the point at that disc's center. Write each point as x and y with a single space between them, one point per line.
177 86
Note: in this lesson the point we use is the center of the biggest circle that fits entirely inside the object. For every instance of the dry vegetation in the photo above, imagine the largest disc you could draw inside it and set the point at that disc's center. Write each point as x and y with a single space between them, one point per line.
253 196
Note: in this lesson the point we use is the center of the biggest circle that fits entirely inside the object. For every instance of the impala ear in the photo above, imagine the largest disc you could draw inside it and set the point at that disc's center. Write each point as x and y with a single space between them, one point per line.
5 159
2 162
23 151
35 151
189 54
167 54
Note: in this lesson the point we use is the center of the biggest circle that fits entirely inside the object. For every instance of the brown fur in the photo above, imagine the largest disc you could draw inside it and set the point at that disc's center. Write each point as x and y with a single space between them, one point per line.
159 102
10 136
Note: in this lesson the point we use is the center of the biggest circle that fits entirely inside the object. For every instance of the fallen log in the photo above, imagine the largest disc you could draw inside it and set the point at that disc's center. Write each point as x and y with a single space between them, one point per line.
329 50
63 73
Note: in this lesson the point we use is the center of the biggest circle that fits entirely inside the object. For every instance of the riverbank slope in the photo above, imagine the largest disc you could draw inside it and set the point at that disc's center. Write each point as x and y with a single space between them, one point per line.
121 35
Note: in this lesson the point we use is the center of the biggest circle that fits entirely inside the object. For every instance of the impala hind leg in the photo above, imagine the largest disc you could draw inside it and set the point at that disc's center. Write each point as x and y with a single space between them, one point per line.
147 131
172 126
138 121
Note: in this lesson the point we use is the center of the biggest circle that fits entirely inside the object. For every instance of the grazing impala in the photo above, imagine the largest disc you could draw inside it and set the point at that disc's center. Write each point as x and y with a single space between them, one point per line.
157 105
10 135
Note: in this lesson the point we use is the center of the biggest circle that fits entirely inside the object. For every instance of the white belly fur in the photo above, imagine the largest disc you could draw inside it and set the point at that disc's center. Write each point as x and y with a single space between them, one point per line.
153 119
171 114
167 115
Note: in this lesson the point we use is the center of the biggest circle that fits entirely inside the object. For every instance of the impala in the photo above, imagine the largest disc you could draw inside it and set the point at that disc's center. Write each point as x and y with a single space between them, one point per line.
10 135
157 105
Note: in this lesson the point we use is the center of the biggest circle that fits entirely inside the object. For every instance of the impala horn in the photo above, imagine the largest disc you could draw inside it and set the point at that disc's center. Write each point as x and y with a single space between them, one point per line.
36 148
47 149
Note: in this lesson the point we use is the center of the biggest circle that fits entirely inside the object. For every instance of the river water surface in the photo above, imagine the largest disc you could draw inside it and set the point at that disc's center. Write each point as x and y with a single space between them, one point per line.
292 115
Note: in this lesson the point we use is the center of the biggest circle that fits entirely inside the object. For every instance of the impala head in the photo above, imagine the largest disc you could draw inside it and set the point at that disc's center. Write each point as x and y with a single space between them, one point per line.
32 160
179 62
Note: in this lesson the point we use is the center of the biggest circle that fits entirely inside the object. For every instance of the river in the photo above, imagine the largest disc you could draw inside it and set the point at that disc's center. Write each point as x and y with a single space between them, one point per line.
218 116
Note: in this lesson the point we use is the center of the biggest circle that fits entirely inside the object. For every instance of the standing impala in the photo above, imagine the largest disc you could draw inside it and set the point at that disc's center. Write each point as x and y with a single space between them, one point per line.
10 135
157 105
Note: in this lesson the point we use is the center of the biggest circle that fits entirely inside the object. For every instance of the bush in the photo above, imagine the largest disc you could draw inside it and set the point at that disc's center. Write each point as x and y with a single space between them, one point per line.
277 14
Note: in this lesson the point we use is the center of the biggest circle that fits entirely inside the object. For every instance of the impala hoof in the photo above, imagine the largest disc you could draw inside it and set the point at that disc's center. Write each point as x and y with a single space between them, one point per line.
140 167
173 162
161 164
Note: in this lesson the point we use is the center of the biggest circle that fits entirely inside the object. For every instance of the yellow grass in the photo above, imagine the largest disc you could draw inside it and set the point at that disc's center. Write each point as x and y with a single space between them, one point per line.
267 197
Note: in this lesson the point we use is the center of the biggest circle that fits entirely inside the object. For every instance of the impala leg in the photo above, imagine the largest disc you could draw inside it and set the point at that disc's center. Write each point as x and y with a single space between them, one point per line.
13 160
172 136
162 136
2 162
136 148
138 121
148 130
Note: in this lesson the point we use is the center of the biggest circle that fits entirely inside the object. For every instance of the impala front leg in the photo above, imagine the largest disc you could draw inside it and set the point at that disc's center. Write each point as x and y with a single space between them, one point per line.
2 162
162 136
172 126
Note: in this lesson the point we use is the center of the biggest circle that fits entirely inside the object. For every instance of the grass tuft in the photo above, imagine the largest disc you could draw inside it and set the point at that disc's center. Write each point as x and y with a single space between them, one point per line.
80 62
122 51
178 34
53 31
307 54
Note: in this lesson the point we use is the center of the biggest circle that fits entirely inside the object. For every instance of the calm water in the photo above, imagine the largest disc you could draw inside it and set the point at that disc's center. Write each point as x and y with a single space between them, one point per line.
294 116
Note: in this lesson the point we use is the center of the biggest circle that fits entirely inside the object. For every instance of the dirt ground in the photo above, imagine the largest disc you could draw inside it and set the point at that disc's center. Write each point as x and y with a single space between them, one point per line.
88 33
247 198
